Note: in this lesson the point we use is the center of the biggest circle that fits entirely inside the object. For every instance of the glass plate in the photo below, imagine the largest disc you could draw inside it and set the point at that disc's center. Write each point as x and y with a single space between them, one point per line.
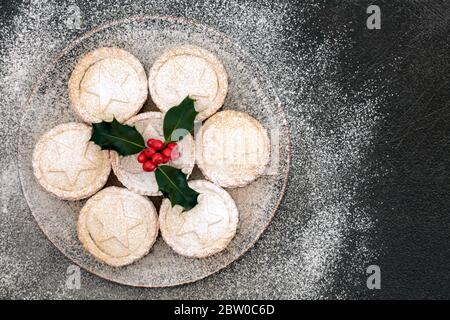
249 91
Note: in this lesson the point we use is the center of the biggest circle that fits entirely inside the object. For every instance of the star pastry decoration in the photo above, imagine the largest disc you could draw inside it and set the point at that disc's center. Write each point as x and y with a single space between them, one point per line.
72 160
194 89
116 224
199 223
106 87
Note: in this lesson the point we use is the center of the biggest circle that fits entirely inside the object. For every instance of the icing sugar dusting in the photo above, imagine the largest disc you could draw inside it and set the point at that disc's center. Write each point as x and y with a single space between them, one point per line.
330 137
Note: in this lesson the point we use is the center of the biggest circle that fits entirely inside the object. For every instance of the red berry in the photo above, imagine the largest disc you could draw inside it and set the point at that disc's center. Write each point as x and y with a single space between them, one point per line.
157 158
157 144
141 157
149 152
165 159
149 166
172 145
149 142
167 152
175 154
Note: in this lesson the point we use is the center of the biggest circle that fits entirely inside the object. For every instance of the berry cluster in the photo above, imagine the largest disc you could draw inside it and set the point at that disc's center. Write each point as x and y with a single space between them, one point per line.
157 153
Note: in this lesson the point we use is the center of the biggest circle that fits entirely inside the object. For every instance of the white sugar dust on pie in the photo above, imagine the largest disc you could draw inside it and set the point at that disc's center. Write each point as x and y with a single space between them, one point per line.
118 226
68 165
204 230
232 149
107 83
188 71
129 171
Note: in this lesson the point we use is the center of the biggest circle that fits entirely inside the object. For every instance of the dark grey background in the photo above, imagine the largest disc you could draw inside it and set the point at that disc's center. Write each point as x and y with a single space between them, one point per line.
413 200
409 59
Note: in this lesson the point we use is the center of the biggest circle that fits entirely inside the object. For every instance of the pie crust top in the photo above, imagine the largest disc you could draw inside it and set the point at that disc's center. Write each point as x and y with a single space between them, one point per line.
188 71
118 226
107 83
129 171
204 230
68 165
232 148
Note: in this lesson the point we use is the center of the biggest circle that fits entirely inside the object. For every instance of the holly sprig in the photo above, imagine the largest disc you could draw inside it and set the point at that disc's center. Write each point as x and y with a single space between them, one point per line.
126 140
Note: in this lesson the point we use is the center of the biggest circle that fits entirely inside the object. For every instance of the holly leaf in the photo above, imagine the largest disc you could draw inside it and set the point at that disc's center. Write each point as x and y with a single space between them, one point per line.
173 185
179 120
124 139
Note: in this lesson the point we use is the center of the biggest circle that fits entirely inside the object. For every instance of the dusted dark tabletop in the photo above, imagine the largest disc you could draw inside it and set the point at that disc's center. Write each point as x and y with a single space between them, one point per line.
369 181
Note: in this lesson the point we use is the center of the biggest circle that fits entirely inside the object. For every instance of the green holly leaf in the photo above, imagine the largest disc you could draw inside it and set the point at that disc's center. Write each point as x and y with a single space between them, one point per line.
173 185
179 120
124 139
